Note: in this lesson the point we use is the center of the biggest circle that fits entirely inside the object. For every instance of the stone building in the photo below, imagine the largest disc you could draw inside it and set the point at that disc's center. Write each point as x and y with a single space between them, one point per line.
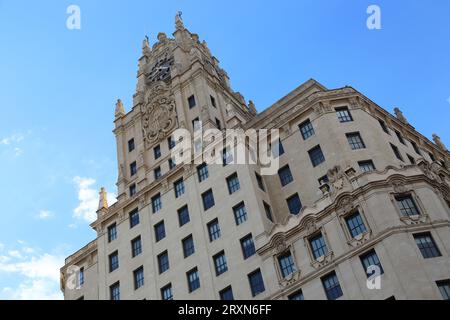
358 192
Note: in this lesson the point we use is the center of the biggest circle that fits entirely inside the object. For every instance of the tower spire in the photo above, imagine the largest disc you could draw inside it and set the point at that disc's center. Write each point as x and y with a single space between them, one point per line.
103 200
179 21
120 111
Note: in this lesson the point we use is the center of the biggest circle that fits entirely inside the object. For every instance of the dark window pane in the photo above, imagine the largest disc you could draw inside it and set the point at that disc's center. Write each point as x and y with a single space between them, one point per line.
344 115
318 246
136 247
355 224
214 230
297 296
233 183
240 213
202 172
188 246
179 188
160 231
286 263
166 293
193 280
156 203
294 204
226 294
397 153
112 232
183 215
285 175
220 263
113 261
427 246
332 287
248 246
208 199
444 288
131 145
256 282
306 129
133 168
316 156
407 205
371 259
157 152
138 278
191 101
114 291
163 262
366 166
355 141
134 218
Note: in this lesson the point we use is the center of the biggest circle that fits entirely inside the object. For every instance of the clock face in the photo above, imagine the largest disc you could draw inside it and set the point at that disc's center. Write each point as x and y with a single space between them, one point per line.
161 70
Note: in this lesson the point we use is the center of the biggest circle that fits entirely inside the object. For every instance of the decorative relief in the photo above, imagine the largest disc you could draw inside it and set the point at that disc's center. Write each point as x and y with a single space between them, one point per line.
360 239
290 279
323 260
399 186
414 220
279 243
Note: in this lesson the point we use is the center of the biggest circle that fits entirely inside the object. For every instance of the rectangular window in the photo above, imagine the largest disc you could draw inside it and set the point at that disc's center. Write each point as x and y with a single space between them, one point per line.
432 158
366 166
191 102
156 203
81 277
426 245
134 218
172 164
202 172
355 141
260 181
166 292
163 262
233 183
138 276
218 125
256 282
248 246
136 247
285 175
316 156
332 287
411 159
298 295
227 157
113 261
157 152
240 213
407 205
208 199
171 142
133 190
306 129
226 294
444 288
131 145
213 101
397 153
196 124
400 137
188 246
183 216
268 211
160 231
114 291
220 263
355 224
278 149
112 232
343 114
322 180
214 230
133 168
157 173
383 126
286 263
294 204
318 246
178 186
415 147
193 279
370 259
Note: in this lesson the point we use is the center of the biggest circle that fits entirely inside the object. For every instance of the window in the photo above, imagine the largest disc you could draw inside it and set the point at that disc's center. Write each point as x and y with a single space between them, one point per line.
133 168
227 156
256 282
355 224
131 145
156 203
400 137
355 141
371 259
220 263
81 277
306 129
213 101
202 172
157 173
136 247
188 246
171 142
240 213
196 124
268 211
286 263
163 262
166 292
112 232
208 199
396 152
366 166
426 245
138 275
160 231
294 204
298 295
260 181
278 149
415 147
218 125
193 279
316 156
113 261
172 164
178 186
248 246
191 102
318 246
285 175
343 114
444 288
332 287
134 218
214 230
233 183
157 152
383 126
132 190
407 205
114 291
322 180
226 294
432 158
183 216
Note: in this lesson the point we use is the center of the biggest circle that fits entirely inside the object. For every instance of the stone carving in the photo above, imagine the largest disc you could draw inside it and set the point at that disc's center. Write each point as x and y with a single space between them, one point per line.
400 116
438 142
353 103
279 243
399 186
159 115
120 111
290 279
345 204
336 178
178 21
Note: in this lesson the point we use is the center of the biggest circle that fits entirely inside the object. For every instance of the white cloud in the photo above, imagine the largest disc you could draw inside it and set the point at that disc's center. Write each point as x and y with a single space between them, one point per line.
45 215
15 254
15 138
39 289
88 199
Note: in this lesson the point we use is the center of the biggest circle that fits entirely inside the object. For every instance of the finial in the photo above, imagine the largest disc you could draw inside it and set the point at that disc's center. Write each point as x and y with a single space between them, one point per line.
120 111
251 106
162 37
179 21
438 142
145 43
400 116
103 201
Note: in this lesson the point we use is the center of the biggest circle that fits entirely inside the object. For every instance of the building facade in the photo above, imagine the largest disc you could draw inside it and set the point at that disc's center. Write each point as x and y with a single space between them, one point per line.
359 208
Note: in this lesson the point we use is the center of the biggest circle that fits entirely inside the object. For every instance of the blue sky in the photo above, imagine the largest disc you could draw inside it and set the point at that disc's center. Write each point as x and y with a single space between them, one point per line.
58 88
